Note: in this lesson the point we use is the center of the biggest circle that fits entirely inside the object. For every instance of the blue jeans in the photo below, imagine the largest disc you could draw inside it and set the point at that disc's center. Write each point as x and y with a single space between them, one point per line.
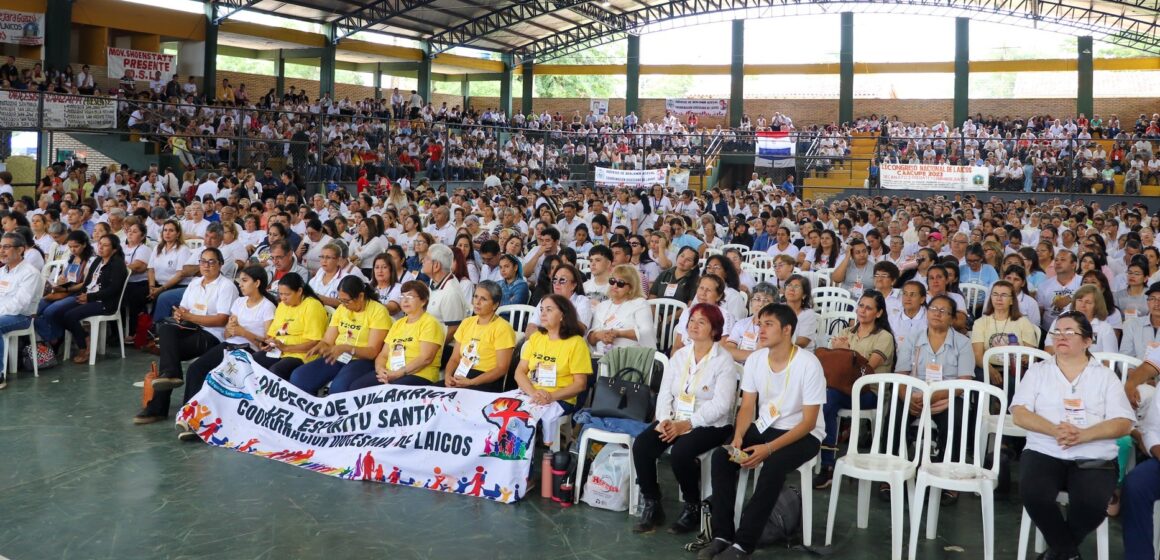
50 328
835 402
311 377
1141 490
166 301
9 323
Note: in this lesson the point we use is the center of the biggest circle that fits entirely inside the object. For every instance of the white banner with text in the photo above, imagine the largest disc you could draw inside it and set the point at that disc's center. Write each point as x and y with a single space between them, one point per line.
21 28
141 65
934 177
707 107
630 177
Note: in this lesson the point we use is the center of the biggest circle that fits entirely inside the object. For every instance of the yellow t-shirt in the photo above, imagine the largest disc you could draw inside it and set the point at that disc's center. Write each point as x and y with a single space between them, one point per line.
355 328
408 336
484 340
570 358
295 325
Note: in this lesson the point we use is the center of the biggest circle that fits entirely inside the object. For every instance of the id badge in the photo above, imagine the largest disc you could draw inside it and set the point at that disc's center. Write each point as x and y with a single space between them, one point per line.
546 375
767 417
398 359
670 290
465 365
274 353
345 358
748 341
934 373
1074 412
684 407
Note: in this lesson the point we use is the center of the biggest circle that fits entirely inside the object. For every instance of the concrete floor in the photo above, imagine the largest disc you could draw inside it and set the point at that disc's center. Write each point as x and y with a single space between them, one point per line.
79 480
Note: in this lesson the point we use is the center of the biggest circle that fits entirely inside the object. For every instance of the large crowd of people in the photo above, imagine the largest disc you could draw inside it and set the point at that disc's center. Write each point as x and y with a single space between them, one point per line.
251 261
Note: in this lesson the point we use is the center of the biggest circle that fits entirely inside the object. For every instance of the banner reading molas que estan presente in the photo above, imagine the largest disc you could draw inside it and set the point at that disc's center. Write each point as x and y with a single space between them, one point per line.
450 440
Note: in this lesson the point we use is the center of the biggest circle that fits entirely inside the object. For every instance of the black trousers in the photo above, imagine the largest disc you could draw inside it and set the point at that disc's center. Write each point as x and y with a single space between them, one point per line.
282 367
942 423
1043 477
769 483
648 447
135 302
174 349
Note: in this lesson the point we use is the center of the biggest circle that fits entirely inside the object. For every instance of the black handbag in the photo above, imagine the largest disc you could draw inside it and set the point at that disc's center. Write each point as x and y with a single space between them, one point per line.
623 395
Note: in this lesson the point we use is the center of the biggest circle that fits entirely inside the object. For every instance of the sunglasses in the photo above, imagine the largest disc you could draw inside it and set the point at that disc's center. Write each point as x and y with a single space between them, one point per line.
618 283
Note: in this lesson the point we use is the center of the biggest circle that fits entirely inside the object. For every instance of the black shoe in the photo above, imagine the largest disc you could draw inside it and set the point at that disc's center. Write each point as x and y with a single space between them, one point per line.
167 383
689 521
144 417
716 547
732 553
185 433
824 478
651 515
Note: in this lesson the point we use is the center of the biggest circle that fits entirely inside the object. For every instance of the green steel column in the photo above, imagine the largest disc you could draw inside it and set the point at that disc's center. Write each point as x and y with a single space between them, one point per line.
1083 100
378 80
465 91
209 69
846 70
529 87
962 69
632 76
424 75
505 86
326 65
57 33
280 74
737 74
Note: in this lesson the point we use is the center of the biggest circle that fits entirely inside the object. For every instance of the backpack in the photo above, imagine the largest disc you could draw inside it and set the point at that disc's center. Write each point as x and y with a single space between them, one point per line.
785 523
842 367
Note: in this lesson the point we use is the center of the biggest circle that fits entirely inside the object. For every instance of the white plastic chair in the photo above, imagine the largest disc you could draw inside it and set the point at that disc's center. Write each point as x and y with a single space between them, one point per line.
975 296
1011 369
98 330
827 303
12 338
517 315
959 474
740 247
831 323
882 463
804 472
826 274
666 312
1121 364
194 244
1025 530
759 259
818 292
583 265
612 438
816 279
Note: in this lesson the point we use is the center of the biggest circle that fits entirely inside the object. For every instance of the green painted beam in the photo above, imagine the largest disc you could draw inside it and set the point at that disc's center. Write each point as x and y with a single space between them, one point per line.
280 75
632 76
529 83
209 69
846 70
424 77
1083 98
57 33
962 69
737 74
505 86
327 64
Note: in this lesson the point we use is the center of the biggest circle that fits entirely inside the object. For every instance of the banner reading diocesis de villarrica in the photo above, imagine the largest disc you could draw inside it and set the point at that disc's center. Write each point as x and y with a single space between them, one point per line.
448 440
21 109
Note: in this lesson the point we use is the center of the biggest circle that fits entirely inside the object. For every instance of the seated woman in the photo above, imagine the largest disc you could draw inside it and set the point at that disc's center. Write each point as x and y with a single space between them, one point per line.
555 362
410 354
872 338
250 318
484 344
932 355
387 285
680 281
722 267
711 290
100 296
694 412
567 281
332 271
137 260
1073 409
64 289
1115 318
1132 298
170 270
797 296
1088 301
625 318
353 339
198 324
1016 275
515 288
1002 324
743 338
299 323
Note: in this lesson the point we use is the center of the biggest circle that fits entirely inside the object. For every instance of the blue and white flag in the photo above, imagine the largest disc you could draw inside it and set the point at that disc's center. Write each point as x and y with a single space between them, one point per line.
775 145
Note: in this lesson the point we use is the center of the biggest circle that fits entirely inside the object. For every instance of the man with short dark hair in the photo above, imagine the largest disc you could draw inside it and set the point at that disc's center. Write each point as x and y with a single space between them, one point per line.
20 284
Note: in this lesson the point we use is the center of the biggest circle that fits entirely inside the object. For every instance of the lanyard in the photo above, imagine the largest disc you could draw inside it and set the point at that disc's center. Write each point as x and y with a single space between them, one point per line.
768 388
690 382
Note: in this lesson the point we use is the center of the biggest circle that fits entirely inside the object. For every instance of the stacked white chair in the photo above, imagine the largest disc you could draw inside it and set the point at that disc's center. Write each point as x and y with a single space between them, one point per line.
1012 368
666 312
1121 364
975 296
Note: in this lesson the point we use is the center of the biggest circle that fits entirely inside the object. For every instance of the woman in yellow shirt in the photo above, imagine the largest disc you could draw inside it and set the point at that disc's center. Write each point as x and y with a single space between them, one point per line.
555 361
484 344
353 340
410 354
299 323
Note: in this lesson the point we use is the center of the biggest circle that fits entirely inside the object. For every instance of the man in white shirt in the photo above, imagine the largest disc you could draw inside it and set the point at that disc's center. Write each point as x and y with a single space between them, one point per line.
441 228
489 254
208 188
1054 294
600 266
447 303
20 287
548 244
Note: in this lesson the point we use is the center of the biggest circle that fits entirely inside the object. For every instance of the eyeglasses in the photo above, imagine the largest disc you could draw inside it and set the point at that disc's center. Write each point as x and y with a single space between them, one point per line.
346 301
938 311
619 283
882 277
634 244
7 246
998 295
562 280
207 262
1069 333
1154 300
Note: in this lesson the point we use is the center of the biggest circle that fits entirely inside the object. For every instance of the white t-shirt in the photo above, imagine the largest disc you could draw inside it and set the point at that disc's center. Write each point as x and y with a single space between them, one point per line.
213 299
330 289
168 263
801 383
139 253
1097 389
254 319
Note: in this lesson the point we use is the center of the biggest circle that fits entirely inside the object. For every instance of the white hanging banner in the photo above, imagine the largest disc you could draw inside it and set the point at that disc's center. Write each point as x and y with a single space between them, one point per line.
19 109
448 440
707 107
21 28
599 107
71 111
630 177
141 65
934 177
